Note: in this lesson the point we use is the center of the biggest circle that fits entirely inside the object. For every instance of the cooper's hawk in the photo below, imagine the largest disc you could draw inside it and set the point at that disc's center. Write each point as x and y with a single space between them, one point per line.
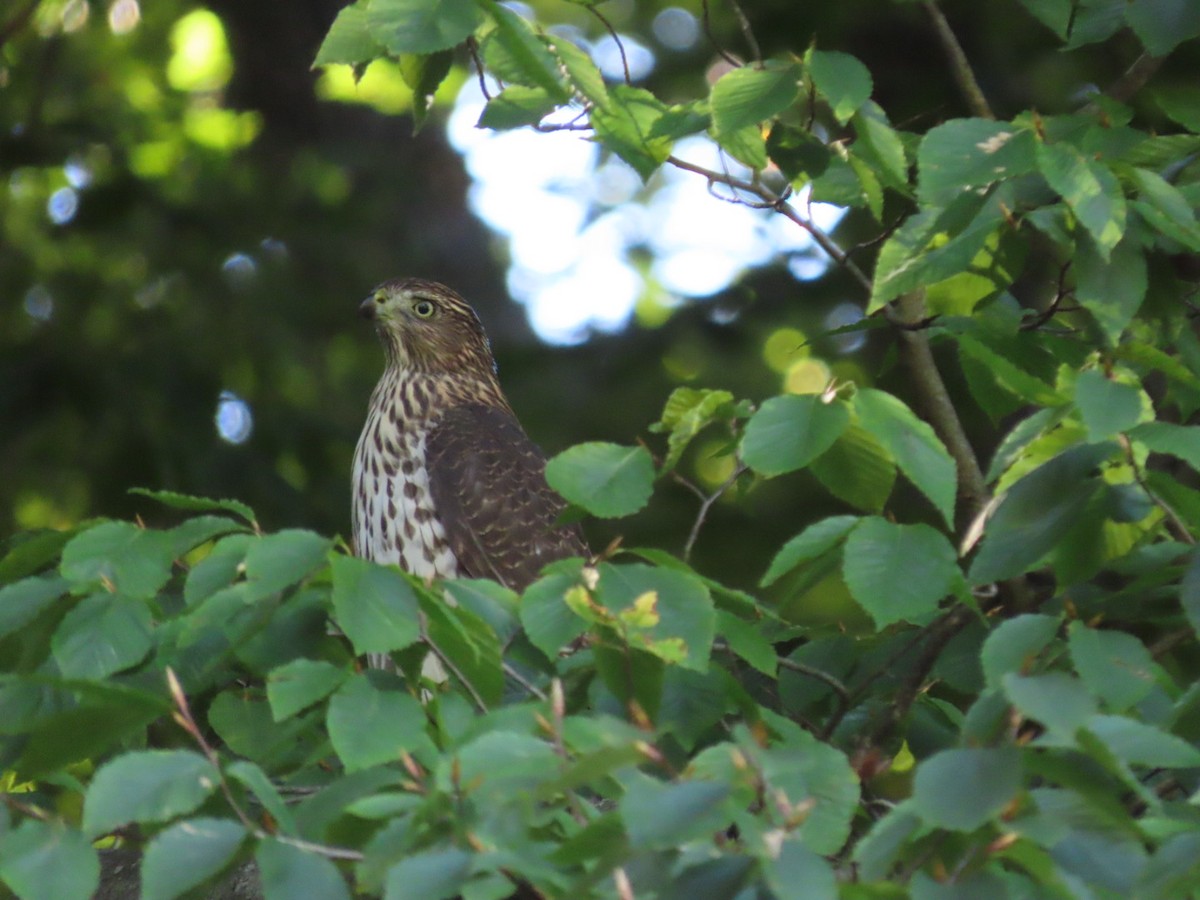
446 482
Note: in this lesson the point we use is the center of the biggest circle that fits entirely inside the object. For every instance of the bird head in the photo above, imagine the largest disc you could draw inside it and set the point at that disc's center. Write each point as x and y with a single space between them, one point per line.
427 327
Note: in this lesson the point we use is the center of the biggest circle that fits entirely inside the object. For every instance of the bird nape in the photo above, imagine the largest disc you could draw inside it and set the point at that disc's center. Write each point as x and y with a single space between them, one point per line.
446 482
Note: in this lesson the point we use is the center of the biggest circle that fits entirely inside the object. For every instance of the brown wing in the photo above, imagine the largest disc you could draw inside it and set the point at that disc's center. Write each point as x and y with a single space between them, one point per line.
488 484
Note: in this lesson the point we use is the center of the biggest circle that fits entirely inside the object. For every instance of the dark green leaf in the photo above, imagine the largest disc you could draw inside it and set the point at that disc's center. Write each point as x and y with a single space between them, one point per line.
1036 512
1114 665
22 601
970 153
964 789
287 872
664 611
790 431
1055 699
187 854
857 469
1107 407
918 451
1162 25
899 572
841 79
135 561
1181 103
284 558
349 39
1140 744
147 786
515 106
369 727
659 816
879 144
797 873
1112 288
1163 205
103 634
217 570
421 26
813 541
747 640
1089 188
608 480
197 504
746 96
547 619
301 683
374 605
254 779
48 861
1182 441
1014 645
432 875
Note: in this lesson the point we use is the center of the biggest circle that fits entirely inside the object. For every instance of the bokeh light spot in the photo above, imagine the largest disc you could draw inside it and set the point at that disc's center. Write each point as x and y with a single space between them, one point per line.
607 54
123 16
201 60
62 205
239 270
39 303
839 317
784 348
234 420
808 376
675 28
75 15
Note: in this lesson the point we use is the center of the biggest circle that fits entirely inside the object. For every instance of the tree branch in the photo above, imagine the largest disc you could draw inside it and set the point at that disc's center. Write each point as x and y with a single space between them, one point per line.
960 66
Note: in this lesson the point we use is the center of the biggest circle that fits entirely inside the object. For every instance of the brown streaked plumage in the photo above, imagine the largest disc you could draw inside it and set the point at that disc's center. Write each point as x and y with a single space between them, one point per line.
446 482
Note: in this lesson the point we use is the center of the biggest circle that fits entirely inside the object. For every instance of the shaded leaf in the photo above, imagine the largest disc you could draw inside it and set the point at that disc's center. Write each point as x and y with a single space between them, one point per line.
432 875
369 726
899 572
301 683
1014 645
135 561
103 634
857 469
1114 665
965 788
1107 406
198 504
790 431
48 861
287 872
1089 189
421 26
608 480
187 854
22 601
841 79
146 786
284 558
374 605
1111 286
966 153
659 816
812 542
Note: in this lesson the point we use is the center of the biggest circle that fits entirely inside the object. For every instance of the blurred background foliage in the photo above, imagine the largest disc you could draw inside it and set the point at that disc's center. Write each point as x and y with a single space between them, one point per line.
189 214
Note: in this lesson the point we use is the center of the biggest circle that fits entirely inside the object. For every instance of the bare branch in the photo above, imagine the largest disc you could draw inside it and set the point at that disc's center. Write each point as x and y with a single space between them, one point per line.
1175 524
960 66
706 504
747 32
1134 78
707 19
612 32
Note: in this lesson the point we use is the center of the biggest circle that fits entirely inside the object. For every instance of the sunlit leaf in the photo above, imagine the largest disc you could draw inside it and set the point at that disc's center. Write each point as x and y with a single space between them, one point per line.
841 79
749 95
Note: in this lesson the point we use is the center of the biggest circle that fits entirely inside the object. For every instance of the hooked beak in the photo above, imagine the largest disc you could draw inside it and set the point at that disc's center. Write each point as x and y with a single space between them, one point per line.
366 309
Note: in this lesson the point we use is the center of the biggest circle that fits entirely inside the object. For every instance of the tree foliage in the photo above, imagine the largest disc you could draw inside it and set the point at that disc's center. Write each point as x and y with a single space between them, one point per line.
973 680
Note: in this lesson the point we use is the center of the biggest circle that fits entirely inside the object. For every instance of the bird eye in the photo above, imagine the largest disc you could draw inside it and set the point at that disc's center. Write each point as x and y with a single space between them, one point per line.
423 308
380 296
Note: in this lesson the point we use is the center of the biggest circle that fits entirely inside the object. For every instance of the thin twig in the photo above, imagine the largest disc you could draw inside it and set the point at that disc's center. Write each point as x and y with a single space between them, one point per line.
960 66
530 688
840 691
706 505
612 32
1175 523
747 32
1134 78
473 49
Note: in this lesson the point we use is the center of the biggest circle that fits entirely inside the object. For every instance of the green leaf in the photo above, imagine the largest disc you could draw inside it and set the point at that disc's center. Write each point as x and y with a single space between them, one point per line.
530 62
349 40
582 73
687 412
801 156
255 780
146 786
431 875
1111 286
1059 701
1089 188
666 612
217 570
1015 644
857 469
1054 14
243 721
796 873
659 816
397 723
746 145
134 561
746 96
965 788
515 106
899 572
1181 441
421 26
608 480
1162 25
548 621
301 683
747 640
1140 744
1163 205
197 504
287 872
812 542
1036 512
22 601
501 766
970 153
48 861
103 634
841 79
374 605
424 74
625 125
790 431
187 854
1115 666
1107 407
879 144
1008 374
1181 103
1189 592
918 451
279 560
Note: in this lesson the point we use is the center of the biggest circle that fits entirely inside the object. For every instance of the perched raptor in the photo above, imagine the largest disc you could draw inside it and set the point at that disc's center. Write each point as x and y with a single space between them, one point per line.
446 482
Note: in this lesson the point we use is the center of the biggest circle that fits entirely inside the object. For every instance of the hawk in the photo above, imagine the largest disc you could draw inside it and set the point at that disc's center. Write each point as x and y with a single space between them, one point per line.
446 482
